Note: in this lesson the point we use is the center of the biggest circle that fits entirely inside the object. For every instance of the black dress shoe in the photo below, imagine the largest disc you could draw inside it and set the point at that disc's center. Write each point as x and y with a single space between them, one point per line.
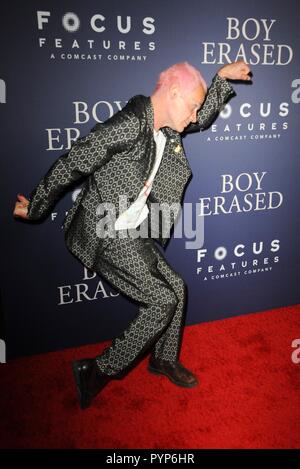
176 372
89 380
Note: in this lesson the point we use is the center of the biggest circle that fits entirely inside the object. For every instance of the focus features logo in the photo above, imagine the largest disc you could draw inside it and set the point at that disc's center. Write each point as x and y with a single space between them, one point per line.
107 39
250 121
238 260
250 40
255 121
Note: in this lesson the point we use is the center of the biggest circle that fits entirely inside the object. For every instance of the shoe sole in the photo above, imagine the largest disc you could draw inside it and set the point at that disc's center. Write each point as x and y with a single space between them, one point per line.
155 371
83 397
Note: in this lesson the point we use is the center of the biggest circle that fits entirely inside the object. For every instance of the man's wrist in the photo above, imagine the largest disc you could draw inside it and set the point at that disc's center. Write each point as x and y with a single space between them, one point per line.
221 74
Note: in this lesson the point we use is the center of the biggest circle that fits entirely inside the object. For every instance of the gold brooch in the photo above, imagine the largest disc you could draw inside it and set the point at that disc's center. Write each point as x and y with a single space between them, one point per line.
177 149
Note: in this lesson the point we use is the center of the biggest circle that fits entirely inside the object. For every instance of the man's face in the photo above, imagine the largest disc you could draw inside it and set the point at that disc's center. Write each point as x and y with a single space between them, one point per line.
184 107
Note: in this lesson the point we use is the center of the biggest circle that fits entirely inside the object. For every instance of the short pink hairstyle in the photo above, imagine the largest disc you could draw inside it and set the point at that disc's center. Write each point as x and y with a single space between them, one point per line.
182 74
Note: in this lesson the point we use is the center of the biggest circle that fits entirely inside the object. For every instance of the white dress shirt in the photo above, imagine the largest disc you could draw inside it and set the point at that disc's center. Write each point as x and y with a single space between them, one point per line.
138 210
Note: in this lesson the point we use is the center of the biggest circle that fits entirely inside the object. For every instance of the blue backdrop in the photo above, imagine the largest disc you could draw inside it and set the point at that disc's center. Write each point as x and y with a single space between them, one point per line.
66 65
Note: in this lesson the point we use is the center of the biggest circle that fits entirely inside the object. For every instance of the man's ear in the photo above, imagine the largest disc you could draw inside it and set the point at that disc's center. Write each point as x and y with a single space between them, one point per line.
174 91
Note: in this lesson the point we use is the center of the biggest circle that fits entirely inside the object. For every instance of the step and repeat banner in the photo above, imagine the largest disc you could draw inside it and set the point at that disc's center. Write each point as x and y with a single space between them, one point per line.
66 66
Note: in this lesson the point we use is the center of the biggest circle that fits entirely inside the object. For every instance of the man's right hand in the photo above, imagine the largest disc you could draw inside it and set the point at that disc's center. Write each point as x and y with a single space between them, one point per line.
21 205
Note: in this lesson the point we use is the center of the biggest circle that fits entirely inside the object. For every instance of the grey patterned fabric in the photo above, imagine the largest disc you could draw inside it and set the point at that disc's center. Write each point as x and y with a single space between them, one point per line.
115 159
137 268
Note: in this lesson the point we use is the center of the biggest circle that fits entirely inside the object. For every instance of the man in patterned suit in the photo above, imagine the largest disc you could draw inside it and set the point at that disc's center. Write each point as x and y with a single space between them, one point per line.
136 154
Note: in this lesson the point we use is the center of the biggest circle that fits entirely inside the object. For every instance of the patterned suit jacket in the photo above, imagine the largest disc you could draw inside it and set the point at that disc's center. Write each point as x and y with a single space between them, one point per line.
115 159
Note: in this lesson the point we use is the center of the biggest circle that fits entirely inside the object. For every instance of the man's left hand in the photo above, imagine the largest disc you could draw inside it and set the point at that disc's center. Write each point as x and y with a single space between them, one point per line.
235 71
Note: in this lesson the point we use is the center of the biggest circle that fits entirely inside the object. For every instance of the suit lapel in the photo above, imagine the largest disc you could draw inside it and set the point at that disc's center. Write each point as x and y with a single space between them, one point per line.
151 145
173 144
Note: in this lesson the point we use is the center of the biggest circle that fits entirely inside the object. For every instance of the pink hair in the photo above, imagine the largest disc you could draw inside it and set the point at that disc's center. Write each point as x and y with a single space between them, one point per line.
182 74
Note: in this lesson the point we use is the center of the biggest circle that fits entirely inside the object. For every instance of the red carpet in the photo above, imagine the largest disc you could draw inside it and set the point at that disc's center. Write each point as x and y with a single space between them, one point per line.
249 395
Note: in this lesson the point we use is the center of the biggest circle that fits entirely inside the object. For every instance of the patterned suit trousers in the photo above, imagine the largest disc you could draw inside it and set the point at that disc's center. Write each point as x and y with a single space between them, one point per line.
137 269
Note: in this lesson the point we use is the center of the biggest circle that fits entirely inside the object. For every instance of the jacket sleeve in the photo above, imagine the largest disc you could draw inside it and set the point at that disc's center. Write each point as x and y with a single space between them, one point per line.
218 93
86 155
